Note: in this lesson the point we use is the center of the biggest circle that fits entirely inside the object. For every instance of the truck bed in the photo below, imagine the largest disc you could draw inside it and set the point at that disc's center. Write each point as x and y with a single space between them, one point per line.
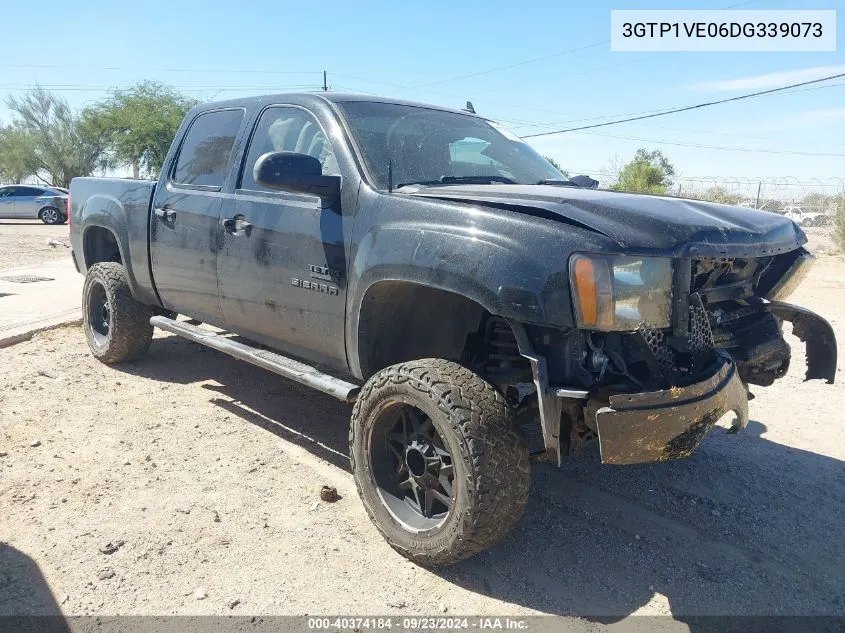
123 204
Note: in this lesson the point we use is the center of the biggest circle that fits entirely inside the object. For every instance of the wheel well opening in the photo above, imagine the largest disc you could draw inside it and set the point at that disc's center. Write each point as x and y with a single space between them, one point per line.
402 321
100 245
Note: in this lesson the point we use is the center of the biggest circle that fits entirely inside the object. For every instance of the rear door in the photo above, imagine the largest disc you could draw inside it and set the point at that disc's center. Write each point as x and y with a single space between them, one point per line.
26 201
185 232
281 277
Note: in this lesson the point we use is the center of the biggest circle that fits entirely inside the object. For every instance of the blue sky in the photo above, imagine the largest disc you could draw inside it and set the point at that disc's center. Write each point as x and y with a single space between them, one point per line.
446 53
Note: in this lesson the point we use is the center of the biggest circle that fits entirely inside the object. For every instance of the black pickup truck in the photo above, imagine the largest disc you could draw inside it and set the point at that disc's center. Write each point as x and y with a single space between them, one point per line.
474 304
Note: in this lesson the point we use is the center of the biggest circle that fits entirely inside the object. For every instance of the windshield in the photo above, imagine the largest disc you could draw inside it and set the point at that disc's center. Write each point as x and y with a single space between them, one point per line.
425 146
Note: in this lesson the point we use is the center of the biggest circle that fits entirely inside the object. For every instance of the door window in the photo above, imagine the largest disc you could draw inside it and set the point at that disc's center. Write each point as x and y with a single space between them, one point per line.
287 129
205 156
28 191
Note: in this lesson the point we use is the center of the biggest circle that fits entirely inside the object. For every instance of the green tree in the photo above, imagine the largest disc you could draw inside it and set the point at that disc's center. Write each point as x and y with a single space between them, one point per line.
557 166
55 146
17 160
721 195
139 124
648 172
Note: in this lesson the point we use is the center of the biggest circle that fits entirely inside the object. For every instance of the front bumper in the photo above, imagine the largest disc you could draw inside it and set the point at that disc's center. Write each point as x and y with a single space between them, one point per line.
658 426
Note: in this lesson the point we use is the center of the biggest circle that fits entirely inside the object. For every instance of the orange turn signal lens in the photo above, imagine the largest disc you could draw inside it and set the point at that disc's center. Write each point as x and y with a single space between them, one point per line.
586 290
593 295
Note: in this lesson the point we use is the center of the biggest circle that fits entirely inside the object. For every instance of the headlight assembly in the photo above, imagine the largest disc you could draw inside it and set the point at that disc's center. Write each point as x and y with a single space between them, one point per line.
621 293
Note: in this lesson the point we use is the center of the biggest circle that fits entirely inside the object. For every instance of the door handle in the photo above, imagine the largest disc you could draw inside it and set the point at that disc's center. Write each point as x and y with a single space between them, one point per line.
165 214
237 225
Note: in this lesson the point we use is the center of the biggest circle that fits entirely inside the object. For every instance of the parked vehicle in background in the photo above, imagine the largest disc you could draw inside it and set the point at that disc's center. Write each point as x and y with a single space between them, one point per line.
28 202
806 218
473 302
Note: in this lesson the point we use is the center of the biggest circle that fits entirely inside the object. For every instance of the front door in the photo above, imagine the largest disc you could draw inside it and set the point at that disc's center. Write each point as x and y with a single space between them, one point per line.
185 232
282 267
7 202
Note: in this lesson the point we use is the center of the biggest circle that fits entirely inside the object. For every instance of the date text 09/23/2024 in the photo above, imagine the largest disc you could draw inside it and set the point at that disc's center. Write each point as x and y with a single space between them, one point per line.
422 623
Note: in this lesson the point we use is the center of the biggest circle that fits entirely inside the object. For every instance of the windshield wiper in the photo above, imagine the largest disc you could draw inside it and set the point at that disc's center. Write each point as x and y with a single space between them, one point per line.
561 183
452 180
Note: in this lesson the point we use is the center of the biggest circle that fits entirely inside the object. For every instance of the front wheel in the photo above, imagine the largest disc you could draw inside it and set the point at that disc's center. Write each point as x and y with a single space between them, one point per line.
51 215
437 461
116 326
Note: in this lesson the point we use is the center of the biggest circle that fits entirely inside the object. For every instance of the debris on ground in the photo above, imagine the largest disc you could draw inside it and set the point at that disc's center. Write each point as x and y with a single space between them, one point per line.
111 548
233 603
329 493
105 574
200 594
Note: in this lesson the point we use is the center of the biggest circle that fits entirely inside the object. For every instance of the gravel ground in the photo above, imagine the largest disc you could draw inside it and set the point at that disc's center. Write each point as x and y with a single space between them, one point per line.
24 242
125 490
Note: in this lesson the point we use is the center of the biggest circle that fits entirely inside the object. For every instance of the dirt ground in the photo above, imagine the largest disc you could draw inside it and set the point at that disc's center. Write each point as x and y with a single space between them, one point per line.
24 242
125 490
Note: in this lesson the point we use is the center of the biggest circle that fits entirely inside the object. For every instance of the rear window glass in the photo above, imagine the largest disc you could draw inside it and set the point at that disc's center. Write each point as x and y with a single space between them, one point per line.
205 155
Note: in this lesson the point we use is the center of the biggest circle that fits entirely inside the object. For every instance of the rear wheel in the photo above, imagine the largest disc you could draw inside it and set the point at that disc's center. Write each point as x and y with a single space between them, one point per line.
51 215
116 326
437 462
807 222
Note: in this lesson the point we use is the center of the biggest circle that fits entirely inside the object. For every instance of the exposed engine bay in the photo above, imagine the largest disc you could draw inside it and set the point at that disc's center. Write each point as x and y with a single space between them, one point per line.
726 333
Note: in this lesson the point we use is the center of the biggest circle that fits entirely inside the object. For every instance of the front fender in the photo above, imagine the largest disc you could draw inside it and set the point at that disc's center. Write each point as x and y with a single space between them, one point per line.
513 265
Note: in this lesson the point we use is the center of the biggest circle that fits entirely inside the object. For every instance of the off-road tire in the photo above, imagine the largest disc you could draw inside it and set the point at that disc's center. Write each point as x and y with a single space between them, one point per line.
492 473
129 333
51 215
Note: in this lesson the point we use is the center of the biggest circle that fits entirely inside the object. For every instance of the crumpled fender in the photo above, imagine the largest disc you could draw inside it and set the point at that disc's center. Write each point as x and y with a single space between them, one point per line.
816 333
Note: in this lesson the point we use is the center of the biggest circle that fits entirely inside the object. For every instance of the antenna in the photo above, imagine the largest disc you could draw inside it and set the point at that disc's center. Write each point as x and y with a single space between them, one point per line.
325 85
469 108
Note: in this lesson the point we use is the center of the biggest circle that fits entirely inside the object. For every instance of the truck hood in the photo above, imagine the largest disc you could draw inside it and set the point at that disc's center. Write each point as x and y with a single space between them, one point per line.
682 228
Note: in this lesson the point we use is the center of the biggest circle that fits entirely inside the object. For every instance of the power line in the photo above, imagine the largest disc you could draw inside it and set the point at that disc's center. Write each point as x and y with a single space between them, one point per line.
625 114
730 135
217 88
164 70
560 54
689 107
515 65
718 147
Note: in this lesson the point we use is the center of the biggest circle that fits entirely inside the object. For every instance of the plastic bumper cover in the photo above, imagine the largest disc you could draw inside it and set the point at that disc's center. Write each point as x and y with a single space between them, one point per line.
658 426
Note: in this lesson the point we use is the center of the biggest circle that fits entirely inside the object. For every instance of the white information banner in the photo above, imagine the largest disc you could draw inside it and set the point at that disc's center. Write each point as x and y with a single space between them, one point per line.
709 30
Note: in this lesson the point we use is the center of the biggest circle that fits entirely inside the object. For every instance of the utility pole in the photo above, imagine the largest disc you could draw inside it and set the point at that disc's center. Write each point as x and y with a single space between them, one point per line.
759 186
325 85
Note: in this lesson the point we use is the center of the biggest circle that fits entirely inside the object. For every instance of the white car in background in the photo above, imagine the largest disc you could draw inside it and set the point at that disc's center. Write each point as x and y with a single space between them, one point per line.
30 202
806 218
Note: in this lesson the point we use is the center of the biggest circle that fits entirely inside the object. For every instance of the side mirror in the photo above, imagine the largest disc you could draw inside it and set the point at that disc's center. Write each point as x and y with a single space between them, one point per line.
297 173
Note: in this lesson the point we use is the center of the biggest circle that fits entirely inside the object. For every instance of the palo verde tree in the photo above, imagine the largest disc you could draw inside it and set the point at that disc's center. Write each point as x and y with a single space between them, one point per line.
648 172
17 161
139 124
46 140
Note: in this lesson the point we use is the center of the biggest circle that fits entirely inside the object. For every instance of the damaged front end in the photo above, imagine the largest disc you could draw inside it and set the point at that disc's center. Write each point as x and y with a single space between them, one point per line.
651 392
